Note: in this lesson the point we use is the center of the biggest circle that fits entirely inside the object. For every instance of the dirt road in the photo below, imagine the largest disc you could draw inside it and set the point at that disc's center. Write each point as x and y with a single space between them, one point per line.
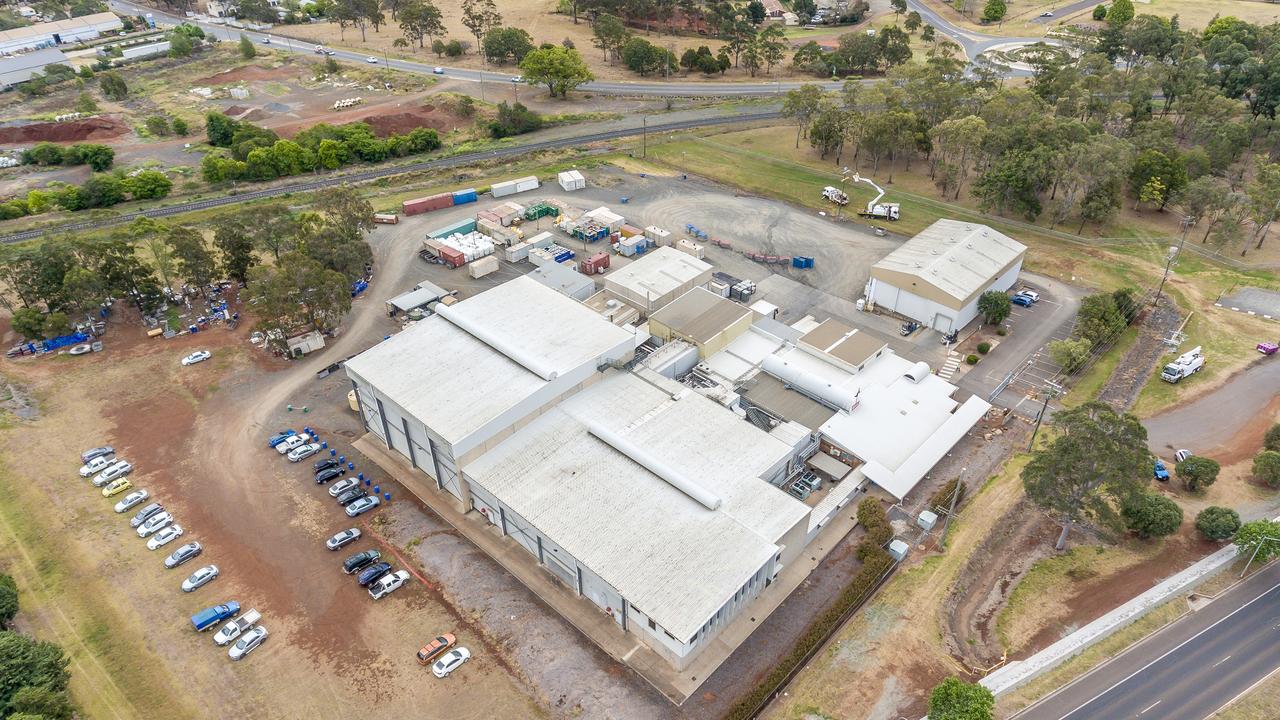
1225 424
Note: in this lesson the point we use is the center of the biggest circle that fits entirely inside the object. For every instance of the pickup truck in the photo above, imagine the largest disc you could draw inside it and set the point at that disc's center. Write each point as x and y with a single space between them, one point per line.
235 627
209 617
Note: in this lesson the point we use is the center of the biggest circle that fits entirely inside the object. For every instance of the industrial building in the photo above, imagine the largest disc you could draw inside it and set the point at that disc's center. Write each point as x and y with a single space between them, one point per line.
59 32
564 279
656 279
937 276
21 68
701 318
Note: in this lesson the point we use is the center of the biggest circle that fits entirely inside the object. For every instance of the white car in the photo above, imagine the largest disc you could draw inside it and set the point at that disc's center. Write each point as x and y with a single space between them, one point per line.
115 470
1047 13
131 500
517 79
302 452
371 60
342 486
388 584
437 70
349 535
247 642
164 537
450 662
197 356
363 505
292 442
154 523
199 578
1029 294
96 465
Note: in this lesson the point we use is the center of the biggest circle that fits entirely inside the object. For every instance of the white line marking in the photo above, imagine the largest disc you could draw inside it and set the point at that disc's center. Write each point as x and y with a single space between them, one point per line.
1144 712
1172 650
1220 662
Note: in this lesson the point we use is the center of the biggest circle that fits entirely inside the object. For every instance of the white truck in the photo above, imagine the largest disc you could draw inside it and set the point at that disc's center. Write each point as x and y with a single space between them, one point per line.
235 627
835 195
1187 364
876 209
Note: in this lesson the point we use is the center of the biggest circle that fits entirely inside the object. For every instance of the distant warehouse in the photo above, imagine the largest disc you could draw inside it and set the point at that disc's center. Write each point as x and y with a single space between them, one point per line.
21 68
59 32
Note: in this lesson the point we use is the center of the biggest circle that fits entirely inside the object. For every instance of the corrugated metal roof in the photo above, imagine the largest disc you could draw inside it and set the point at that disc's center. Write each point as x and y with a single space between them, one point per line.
20 68
101 22
676 560
659 272
843 342
700 314
959 258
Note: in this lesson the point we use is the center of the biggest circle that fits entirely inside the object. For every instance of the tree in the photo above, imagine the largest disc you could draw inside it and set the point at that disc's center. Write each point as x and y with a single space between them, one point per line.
97 157
1218 523
247 50
643 57
1266 467
420 19
755 12
235 250
610 34
298 292
515 119
180 45
1070 354
772 45
113 86
1197 473
955 699
29 323
1090 465
1156 177
994 306
345 211
1264 199
913 22
40 702
928 34
1100 12
102 190
827 131
480 16
503 44
25 662
994 11
1260 535
1120 13
193 258
1151 514
560 69
1098 319
8 599
1271 441
801 105
899 7
147 185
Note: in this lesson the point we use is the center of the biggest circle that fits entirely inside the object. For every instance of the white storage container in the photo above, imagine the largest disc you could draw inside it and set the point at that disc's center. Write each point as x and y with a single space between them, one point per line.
540 257
525 184
483 267
690 247
518 252
660 237
571 180
503 189
541 240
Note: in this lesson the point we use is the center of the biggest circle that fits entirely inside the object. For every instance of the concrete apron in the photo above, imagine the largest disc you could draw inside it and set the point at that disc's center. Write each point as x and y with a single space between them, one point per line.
590 620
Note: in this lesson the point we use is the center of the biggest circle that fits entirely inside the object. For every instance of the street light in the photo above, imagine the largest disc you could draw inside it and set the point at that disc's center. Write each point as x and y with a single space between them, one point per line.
1256 548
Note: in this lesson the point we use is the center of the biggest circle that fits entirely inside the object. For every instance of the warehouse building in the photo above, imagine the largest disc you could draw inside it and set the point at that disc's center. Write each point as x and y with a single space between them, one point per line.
21 68
656 279
702 318
937 276
59 32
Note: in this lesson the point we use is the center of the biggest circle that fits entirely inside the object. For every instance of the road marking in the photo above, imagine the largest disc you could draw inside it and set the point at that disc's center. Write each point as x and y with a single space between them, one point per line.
1220 662
1144 712
1169 652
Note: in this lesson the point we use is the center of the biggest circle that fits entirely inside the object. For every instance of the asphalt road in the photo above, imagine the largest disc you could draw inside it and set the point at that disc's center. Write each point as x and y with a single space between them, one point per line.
1231 407
1188 670
973 43
1066 10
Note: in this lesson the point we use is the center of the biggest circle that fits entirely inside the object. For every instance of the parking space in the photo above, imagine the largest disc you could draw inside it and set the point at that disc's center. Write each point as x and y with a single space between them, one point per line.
1255 301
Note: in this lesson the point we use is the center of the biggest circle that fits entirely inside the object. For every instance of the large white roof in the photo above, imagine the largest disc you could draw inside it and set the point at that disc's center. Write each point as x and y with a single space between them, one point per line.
959 258
666 552
659 272
454 382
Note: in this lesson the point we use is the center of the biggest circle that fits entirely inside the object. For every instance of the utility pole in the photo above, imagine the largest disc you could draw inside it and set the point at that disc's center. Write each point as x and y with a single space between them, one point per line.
644 136
1186 226
1040 417
1254 554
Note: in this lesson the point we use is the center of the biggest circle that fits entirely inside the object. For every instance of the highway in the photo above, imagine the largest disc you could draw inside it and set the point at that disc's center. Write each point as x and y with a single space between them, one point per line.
1187 671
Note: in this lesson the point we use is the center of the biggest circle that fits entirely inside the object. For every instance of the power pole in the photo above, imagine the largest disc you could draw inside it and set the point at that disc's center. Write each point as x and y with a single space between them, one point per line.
1040 417
644 136
1186 227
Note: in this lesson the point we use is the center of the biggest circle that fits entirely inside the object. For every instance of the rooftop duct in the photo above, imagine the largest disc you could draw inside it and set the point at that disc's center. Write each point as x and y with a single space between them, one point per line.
705 497
484 335
810 384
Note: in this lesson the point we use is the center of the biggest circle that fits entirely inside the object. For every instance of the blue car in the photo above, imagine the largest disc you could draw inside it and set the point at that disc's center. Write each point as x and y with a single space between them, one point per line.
279 437
1022 300
1161 472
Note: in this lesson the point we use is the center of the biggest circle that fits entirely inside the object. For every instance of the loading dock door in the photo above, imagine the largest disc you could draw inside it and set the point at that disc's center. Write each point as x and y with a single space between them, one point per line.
942 323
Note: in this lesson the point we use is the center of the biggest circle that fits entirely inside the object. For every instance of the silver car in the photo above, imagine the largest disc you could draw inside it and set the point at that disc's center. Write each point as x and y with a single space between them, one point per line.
349 535
247 642
303 452
116 470
146 514
96 465
182 555
164 537
91 453
200 578
342 486
131 500
363 505
154 524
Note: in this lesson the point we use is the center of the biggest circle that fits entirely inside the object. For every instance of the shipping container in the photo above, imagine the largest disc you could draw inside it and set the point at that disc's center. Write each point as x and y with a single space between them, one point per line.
518 252
453 257
483 266
606 217
461 197
386 218
462 226
571 180
526 184
690 247
630 231
597 263
541 256
542 240
503 189
660 237
428 204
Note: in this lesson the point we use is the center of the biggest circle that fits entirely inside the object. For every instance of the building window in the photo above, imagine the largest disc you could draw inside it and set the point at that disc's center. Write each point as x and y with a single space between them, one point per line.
652 625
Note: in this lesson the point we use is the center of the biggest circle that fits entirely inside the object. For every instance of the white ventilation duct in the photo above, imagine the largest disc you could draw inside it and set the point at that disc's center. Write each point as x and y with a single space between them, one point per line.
705 497
811 384
520 357
918 372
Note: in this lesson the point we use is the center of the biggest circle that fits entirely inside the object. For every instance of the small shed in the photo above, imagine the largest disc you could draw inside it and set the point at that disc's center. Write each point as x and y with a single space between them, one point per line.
565 280
422 295
300 345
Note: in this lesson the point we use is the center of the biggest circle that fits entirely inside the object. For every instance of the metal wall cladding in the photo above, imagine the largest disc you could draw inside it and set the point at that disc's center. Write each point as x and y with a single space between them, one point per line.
463 226
503 189
427 204
453 256
462 197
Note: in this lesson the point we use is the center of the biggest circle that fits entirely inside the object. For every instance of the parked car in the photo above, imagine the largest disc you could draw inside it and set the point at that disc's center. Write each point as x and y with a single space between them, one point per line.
371 60
280 437
325 464
131 500
117 469
166 535
292 442
517 79
908 328
197 356
450 662
345 537
96 465
91 453
328 474
1021 300
200 578
388 584
183 554
235 627
116 487
1046 14
248 642
1267 348
153 524
1160 471
211 616
342 486
302 452
433 649
1028 292
437 70
373 572
350 496
146 514
360 561
362 506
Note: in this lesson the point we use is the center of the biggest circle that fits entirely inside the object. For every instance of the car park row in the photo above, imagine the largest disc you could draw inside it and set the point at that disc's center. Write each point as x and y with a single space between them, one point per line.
159 528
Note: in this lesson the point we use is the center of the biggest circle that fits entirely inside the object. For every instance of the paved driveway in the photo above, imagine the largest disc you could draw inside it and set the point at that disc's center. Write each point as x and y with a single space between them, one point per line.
1255 300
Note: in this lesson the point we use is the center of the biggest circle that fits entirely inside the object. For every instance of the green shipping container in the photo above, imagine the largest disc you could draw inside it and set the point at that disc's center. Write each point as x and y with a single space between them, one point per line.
462 226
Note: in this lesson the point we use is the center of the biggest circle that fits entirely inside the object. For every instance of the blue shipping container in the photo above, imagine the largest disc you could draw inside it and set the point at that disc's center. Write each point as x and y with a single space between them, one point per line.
566 255
464 196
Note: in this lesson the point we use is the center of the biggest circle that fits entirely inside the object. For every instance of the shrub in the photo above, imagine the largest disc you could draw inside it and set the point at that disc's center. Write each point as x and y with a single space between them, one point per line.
1218 523
955 699
984 348
158 125
1100 12
514 120
1266 467
1002 331
180 127
113 86
1271 441
971 359
8 600
453 48
1151 515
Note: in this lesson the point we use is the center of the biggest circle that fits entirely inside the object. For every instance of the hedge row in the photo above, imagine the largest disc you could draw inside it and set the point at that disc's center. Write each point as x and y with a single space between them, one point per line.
875 562
940 502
